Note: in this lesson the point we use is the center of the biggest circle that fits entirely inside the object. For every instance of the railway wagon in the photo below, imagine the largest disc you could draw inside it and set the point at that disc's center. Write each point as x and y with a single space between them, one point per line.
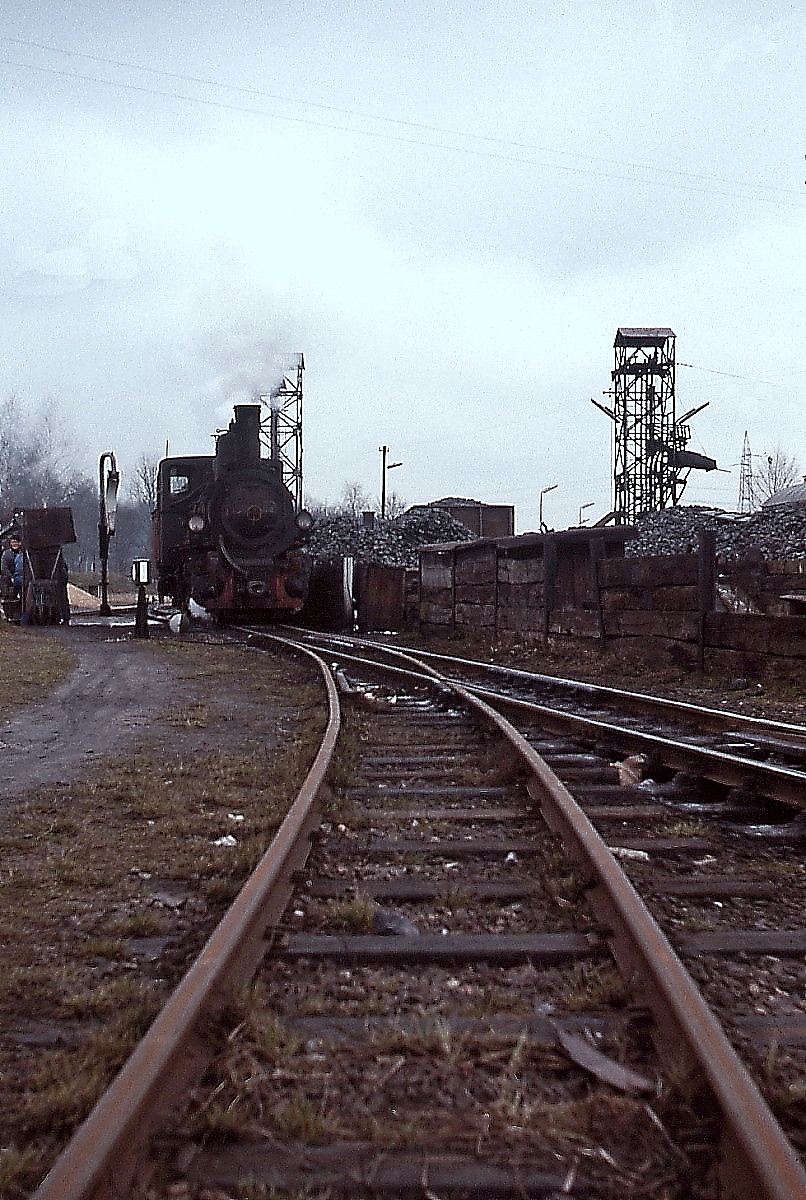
225 531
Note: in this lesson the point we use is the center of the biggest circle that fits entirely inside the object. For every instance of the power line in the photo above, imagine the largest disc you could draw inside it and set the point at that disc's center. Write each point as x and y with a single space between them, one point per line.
730 375
578 170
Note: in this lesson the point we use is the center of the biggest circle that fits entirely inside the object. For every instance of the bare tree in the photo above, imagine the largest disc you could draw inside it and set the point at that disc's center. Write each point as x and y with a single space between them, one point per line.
35 459
354 500
143 488
395 506
778 470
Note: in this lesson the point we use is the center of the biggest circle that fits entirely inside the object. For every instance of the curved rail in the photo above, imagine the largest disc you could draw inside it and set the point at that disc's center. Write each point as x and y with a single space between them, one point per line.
785 784
757 1158
102 1159
713 719
706 718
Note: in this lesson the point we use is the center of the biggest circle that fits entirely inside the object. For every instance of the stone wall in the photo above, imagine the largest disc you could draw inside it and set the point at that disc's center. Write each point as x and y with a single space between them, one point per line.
662 609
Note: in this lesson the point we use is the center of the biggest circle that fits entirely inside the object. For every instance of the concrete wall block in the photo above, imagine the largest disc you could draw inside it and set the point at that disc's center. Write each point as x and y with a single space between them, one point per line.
515 595
665 570
475 570
479 593
580 624
521 620
436 574
435 614
676 626
475 615
520 570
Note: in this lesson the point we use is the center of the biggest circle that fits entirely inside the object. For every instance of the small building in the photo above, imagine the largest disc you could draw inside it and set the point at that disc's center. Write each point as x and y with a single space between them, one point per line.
484 520
788 497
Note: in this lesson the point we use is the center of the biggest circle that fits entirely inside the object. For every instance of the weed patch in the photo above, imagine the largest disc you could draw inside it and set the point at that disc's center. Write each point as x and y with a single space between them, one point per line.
153 845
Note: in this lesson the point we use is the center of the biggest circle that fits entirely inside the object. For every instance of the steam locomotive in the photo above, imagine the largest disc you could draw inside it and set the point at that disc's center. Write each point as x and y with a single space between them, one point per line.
225 531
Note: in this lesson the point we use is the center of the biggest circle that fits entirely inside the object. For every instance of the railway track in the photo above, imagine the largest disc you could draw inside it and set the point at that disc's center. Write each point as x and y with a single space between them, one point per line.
726 748
435 1010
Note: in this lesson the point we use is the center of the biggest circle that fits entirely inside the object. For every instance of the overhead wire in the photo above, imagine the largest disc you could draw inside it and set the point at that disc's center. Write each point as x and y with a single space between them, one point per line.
400 138
731 375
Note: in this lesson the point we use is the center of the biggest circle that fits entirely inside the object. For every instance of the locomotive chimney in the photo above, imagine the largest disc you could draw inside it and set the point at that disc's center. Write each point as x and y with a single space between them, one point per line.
240 445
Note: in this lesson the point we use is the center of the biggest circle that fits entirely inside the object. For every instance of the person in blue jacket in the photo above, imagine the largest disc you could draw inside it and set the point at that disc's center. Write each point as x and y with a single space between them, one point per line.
11 567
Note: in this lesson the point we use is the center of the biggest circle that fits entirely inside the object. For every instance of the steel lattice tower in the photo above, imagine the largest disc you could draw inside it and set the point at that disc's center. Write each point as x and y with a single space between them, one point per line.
281 429
652 464
746 497
644 405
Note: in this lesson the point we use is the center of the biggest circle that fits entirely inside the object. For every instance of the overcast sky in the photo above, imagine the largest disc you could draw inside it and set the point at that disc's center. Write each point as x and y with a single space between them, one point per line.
448 209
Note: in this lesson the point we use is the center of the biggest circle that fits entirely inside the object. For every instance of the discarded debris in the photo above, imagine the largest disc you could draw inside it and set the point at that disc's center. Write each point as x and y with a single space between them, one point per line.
628 854
630 770
393 924
580 1051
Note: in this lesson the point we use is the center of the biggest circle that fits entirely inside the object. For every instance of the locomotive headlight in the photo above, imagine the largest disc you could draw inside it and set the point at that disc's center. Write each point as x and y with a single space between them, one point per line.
196 523
304 520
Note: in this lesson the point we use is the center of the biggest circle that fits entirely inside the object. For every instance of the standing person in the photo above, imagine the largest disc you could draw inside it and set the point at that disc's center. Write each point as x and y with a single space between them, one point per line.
12 566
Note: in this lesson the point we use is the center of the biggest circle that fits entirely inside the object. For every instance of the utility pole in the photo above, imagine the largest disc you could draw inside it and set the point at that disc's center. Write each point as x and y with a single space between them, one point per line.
385 466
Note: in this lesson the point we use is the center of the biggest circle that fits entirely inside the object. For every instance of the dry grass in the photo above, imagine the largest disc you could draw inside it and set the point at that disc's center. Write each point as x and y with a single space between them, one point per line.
479 1092
593 986
83 867
33 665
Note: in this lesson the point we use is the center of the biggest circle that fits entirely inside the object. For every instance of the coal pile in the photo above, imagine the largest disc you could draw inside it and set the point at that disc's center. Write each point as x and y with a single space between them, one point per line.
392 543
774 533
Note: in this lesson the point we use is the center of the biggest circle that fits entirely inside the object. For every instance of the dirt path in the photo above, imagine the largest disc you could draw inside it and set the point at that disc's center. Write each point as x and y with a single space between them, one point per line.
113 695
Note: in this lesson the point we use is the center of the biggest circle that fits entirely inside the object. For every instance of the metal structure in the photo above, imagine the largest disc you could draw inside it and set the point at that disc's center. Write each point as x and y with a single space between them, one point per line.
108 483
746 491
141 575
651 462
550 488
281 430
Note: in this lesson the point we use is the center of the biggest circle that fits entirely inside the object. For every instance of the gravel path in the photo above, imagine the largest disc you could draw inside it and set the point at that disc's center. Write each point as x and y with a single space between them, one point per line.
112 696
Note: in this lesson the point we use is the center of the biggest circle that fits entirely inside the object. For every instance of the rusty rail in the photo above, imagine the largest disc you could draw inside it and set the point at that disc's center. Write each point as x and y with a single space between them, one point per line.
103 1159
757 1159
785 784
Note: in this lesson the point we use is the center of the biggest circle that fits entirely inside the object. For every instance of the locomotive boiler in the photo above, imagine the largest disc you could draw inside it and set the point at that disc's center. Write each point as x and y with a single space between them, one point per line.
226 534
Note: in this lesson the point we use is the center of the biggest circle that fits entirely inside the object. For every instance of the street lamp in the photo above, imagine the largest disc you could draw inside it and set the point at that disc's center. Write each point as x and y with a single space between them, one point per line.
544 528
141 575
582 508
109 479
385 466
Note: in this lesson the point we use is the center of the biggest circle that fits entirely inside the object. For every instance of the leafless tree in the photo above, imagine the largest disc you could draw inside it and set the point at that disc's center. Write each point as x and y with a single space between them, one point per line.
35 458
143 488
777 470
395 506
354 500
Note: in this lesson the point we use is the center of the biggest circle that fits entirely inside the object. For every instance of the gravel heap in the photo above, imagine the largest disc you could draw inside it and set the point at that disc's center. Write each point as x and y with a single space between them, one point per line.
392 543
777 533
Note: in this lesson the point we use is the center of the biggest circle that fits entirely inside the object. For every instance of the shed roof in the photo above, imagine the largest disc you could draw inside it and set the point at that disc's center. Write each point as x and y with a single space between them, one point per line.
534 543
787 496
653 336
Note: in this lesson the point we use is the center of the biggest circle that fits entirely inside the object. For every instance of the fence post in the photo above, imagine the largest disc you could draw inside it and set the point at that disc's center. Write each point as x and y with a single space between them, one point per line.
595 556
706 587
549 580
